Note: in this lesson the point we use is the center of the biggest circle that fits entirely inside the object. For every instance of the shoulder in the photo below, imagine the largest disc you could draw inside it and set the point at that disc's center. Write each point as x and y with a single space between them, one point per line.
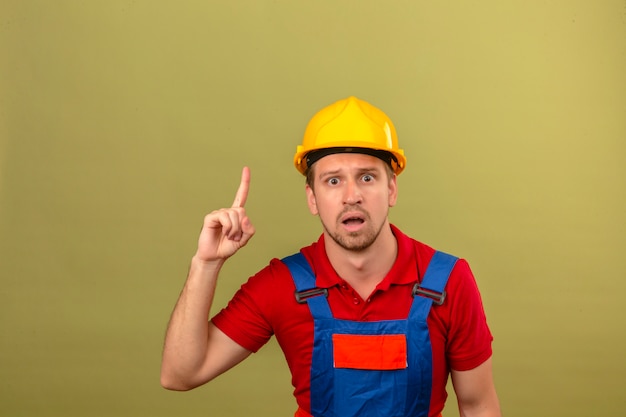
269 281
461 285
412 251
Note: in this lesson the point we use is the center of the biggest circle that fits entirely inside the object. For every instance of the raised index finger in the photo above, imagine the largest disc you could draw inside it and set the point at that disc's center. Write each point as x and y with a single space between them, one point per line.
244 186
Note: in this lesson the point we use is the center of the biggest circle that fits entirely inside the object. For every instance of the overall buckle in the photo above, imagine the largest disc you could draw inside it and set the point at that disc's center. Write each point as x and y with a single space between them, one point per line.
302 296
437 297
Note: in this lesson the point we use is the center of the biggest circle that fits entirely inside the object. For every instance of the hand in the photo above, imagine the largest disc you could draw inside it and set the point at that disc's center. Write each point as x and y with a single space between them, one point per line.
227 230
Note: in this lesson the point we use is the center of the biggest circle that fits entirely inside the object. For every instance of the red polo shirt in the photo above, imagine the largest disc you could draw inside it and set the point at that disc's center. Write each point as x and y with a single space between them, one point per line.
266 306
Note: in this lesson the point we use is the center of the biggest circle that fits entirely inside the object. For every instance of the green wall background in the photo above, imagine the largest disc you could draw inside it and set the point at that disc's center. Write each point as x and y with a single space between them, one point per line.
123 122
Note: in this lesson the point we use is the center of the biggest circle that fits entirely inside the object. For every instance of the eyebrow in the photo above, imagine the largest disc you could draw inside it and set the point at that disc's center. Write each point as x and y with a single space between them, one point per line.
364 170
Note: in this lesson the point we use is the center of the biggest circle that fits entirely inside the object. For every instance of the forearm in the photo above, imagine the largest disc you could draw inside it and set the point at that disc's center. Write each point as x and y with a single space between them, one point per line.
186 340
195 351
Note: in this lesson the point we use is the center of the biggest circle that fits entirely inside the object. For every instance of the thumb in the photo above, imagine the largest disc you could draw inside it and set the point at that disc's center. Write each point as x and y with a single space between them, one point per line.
248 230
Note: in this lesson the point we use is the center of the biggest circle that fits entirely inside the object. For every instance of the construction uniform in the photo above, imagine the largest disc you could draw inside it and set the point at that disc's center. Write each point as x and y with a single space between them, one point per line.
404 346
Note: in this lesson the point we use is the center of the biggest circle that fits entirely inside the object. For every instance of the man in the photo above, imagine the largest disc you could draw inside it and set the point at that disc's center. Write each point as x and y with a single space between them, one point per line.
371 321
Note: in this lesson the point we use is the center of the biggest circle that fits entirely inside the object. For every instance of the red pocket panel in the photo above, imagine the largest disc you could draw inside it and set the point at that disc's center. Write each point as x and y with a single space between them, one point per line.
378 352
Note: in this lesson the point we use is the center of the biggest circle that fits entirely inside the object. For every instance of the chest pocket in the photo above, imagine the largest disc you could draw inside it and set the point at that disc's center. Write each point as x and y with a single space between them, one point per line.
373 352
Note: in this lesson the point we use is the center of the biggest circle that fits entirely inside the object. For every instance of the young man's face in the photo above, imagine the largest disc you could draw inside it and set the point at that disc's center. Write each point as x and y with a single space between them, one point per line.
352 194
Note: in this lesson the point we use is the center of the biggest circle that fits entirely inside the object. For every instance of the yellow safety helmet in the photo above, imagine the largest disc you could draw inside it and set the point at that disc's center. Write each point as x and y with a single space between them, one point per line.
350 125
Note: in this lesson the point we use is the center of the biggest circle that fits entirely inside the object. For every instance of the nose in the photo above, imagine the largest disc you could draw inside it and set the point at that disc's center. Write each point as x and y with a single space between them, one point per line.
352 193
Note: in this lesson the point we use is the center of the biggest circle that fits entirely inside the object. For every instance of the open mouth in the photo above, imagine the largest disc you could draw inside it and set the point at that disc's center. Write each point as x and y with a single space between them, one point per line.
353 221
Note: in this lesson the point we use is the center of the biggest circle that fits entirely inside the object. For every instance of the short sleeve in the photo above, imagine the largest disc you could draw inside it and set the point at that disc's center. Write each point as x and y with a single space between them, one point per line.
469 337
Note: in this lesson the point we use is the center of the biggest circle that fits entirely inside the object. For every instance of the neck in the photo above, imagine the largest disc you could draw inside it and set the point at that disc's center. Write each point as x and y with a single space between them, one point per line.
364 269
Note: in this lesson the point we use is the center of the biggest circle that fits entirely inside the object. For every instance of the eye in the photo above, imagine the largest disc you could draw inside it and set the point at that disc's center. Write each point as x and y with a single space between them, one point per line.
367 178
333 181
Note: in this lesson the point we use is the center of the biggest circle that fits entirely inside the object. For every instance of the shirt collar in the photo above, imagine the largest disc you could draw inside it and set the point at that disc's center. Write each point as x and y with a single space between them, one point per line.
403 271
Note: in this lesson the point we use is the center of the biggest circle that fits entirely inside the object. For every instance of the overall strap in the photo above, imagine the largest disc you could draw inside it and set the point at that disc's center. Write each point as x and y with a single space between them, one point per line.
434 282
306 291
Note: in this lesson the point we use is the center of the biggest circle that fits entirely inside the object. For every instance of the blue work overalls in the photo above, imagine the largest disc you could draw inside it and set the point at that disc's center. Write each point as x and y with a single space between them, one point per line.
381 368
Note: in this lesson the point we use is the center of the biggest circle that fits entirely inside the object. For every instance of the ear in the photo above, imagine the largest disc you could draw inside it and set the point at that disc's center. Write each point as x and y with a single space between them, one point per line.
311 201
393 190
